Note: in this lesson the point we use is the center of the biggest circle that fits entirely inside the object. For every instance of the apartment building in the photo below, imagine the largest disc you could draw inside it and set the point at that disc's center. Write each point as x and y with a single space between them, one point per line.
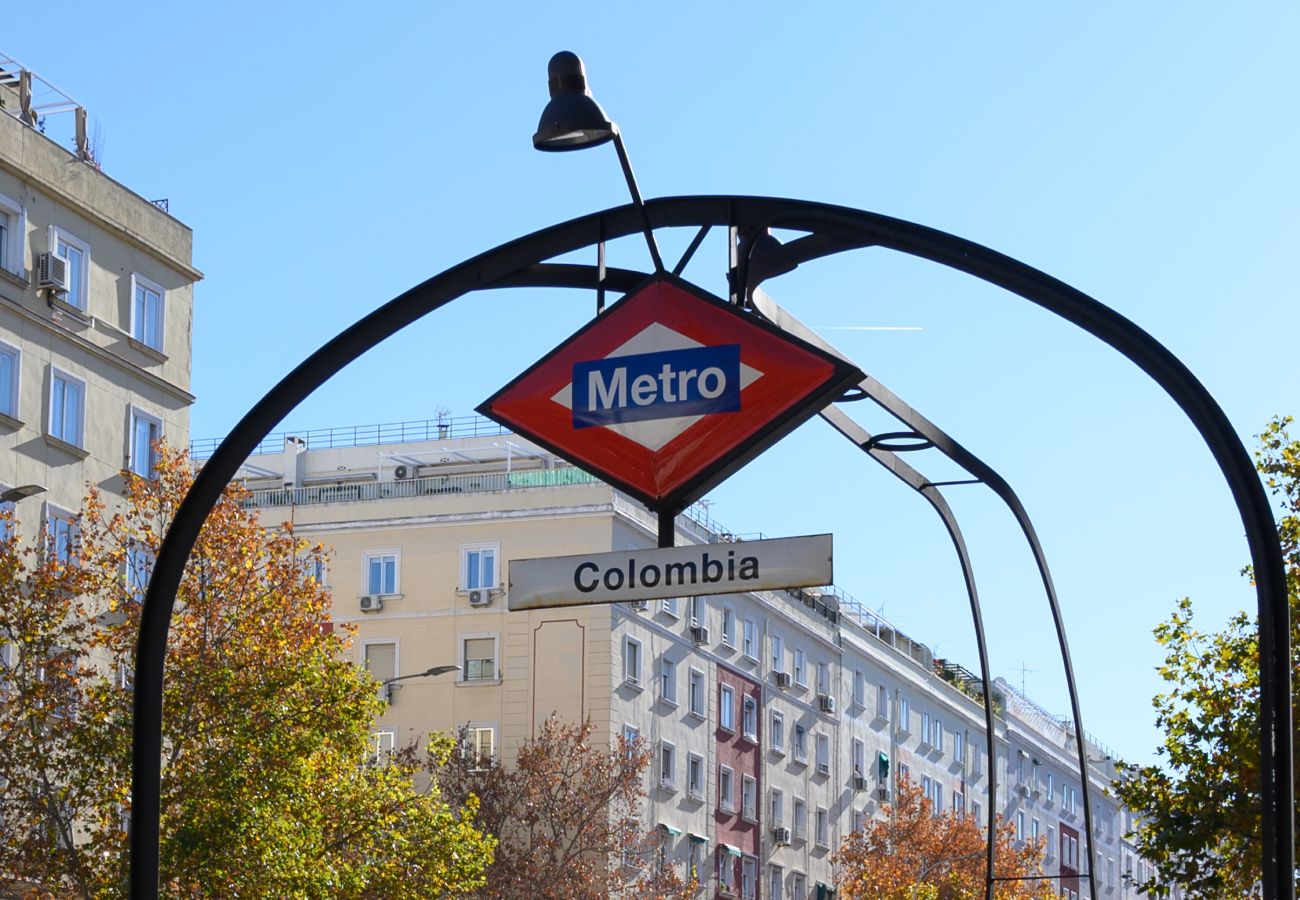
96 300
778 720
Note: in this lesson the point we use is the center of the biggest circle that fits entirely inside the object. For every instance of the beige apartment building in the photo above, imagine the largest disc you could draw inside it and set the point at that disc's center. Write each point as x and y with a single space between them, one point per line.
96 302
778 720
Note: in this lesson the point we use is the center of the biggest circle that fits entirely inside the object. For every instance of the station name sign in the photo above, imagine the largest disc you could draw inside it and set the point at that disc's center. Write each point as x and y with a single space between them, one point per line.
651 574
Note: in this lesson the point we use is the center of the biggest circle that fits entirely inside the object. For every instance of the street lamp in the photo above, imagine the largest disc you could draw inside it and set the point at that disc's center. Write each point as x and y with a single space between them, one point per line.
21 493
387 684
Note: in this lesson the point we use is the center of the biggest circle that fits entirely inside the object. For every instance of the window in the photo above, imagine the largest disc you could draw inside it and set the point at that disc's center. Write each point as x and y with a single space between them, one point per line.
77 254
696 688
12 235
959 747
728 626
478 657
749 720
139 566
1068 797
800 819
695 775
1050 787
10 368
668 680
776 808
904 714
726 790
750 645
798 886
936 738
1051 842
800 742
382 569
775 883
925 728
631 662
749 798
823 678
823 828
667 765
479 745
975 809
63 532
859 757
631 735
381 662
382 745
668 605
727 707
698 612
1034 829
882 703
859 690
748 877
726 870
938 799
147 312
142 454
776 736
8 521
800 667
478 568
823 753
959 804
1020 825
67 407
778 653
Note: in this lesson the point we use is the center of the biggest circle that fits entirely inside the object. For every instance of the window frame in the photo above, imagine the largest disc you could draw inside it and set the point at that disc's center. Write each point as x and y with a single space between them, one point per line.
728 626
749 718
668 606
778 653
14 400
799 748
799 819
749 639
632 661
668 680
138 283
882 702
726 788
68 379
478 547
695 679
366 558
727 707
859 689
137 414
496 657
397 660
776 806
53 514
80 302
800 667
12 245
822 743
748 797
776 731
667 759
822 827
478 728
135 554
695 766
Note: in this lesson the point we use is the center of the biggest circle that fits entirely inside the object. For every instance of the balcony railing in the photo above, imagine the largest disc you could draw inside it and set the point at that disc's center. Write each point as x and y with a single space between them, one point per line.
418 487
441 429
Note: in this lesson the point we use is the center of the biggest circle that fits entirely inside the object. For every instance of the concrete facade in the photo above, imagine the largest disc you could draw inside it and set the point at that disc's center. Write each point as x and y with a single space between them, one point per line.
87 375
777 720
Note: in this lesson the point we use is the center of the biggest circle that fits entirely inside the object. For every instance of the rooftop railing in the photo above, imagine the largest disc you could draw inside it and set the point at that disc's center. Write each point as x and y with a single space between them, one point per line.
418 487
442 428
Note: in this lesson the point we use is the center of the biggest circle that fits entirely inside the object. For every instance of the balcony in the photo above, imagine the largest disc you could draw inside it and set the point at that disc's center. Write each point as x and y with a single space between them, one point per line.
482 482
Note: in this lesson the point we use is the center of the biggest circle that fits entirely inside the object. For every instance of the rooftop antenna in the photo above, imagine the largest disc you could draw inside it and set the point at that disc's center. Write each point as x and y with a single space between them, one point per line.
1022 669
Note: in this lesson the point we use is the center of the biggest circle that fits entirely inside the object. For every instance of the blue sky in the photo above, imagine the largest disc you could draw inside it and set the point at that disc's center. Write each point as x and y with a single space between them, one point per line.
1144 153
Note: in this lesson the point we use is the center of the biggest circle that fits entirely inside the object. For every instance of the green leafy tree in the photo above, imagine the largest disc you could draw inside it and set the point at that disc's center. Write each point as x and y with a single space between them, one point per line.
1199 805
270 784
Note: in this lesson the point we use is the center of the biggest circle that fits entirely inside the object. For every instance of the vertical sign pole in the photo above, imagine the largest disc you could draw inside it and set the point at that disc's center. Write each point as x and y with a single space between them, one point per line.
667 528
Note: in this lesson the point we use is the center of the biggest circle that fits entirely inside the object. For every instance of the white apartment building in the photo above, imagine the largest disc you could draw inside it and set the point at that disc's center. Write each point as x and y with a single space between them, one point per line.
96 301
777 720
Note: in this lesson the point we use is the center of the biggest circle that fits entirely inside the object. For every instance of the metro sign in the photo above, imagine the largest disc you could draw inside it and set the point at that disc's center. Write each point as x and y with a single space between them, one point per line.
669 391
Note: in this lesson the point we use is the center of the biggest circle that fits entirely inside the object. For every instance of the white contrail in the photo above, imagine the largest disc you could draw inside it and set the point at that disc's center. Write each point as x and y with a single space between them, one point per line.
869 328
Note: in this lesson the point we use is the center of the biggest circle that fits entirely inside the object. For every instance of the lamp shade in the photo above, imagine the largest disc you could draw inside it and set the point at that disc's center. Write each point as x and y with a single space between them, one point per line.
572 119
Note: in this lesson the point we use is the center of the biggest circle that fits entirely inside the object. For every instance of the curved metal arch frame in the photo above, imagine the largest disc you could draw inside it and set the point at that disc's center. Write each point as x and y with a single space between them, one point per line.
831 229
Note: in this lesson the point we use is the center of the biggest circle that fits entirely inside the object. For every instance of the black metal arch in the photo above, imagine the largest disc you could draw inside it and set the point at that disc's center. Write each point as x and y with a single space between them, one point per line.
831 228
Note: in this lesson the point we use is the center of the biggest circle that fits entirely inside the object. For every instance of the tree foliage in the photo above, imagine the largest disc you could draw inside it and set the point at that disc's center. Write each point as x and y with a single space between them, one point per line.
1199 806
269 789
913 854
567 819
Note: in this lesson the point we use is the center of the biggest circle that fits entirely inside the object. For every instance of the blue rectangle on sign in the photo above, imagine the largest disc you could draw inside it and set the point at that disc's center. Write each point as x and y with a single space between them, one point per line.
664 385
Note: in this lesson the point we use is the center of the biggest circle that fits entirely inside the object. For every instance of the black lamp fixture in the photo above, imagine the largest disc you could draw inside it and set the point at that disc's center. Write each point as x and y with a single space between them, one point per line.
573 120
21 493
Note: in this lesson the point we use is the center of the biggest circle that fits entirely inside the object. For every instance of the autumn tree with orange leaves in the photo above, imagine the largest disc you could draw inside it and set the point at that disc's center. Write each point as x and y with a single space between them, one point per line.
269 787
567 819
913 854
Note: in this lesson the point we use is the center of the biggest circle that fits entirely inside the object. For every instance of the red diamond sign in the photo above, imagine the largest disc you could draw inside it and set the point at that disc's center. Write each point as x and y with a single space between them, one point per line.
669 391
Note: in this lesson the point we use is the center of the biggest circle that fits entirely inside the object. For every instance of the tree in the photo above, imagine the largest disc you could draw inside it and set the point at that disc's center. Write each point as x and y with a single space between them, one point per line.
269 787
1199 806
566 818
913 854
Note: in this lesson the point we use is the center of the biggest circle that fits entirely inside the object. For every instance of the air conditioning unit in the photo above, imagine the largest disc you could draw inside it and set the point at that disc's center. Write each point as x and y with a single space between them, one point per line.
781 836
52 272
1022 790
638 604
882 793
826 703
480 597
401 473
783 679
700 634
372 603
859 782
